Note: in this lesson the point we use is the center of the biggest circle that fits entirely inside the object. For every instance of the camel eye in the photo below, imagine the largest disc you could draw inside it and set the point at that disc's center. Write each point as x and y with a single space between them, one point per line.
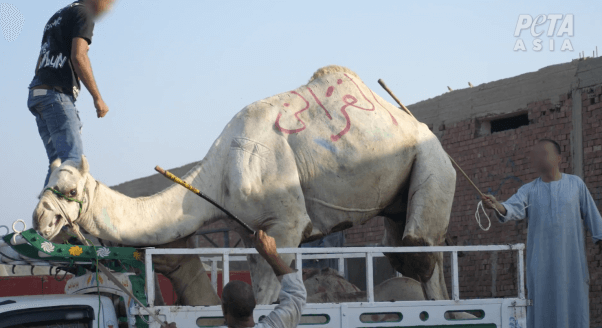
73 193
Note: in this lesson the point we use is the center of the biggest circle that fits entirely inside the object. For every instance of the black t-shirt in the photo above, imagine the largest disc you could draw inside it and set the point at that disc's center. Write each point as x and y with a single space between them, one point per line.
55 66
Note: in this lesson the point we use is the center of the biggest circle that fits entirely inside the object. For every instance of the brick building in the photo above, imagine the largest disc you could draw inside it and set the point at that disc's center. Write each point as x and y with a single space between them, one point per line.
488 130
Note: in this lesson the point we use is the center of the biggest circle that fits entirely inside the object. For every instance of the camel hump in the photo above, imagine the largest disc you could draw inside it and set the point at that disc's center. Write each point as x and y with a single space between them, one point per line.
330 69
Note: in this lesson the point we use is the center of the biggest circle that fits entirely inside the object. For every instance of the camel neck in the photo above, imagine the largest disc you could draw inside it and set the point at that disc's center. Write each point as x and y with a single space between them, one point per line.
161 218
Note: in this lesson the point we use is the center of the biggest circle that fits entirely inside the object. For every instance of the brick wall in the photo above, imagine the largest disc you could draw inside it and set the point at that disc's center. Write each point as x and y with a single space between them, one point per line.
370 233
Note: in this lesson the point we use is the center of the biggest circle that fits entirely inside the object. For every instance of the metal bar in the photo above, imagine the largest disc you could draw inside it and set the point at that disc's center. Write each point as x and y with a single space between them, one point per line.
455 284
337 256
299 265
344 317
341 266
521 276
150 277
211 241
305 257
219 258
214 275
225 269
340 250
396 304
369 278
206 232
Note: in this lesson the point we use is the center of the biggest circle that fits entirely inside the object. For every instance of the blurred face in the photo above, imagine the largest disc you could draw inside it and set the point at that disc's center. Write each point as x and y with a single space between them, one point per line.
100 7
544 157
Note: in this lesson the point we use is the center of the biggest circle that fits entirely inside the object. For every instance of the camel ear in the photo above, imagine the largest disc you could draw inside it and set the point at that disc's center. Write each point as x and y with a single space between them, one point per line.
83 165
56 163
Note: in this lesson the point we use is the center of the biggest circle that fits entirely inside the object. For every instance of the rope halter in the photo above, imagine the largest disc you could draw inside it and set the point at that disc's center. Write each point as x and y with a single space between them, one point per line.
60 206
81 203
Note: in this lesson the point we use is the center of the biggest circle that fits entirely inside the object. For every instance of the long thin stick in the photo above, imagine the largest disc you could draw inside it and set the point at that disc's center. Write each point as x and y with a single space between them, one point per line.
382 83
459 168
179 181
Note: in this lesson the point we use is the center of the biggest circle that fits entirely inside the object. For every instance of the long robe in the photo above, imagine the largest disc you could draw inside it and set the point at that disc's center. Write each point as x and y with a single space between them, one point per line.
557 274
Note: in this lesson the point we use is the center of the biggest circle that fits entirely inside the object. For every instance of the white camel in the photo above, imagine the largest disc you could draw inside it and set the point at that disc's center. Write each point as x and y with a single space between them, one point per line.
301 164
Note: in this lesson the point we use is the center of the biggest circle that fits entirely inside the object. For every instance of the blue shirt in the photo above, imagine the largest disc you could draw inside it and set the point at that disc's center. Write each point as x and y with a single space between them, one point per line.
292 298
557 273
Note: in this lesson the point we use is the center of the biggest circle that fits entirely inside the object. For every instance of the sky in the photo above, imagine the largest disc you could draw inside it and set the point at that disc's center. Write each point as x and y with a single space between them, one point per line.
173 73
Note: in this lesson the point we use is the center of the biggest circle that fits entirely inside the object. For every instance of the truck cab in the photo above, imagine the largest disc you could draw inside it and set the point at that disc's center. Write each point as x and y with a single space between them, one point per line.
68 311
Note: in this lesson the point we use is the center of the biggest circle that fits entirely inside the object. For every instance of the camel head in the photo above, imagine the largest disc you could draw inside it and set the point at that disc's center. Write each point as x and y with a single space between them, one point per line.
62 198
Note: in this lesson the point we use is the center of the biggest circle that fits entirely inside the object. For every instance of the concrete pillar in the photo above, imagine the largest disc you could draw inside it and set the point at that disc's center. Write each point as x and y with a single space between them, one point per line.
577 134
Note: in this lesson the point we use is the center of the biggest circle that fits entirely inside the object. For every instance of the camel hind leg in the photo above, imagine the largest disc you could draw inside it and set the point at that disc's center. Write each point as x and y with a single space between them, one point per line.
429 200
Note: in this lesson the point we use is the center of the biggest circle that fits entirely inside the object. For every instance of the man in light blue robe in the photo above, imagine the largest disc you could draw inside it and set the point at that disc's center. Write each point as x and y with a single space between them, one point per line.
558 206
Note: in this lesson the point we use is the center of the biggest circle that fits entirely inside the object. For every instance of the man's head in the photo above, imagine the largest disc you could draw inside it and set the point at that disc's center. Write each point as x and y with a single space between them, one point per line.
545 155
98 7
238 301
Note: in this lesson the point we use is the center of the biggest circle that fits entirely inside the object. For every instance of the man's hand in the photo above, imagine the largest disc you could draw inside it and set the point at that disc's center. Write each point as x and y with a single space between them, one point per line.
490 202
266 247
101 108
172 325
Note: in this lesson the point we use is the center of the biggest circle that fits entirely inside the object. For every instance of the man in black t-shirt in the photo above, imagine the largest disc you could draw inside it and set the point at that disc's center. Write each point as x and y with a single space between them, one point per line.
62 63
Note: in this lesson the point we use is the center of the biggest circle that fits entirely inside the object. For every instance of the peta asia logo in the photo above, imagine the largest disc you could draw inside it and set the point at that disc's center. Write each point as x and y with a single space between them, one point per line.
553 25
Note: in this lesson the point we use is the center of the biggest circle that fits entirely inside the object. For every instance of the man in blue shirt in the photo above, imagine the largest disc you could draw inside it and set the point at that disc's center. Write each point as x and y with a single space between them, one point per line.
62 63
559 207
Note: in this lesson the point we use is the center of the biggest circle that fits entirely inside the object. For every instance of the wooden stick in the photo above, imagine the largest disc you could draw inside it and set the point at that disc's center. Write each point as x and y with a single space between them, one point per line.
382 83
459 168
179 181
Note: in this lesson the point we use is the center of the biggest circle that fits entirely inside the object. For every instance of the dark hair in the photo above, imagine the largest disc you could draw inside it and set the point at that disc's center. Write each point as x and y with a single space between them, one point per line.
556 145
238 299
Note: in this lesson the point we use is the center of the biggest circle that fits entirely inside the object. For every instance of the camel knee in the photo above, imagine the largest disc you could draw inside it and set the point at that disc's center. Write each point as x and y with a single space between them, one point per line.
419 266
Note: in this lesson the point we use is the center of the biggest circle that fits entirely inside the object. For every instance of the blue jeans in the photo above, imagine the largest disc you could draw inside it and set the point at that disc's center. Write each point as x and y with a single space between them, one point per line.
59 125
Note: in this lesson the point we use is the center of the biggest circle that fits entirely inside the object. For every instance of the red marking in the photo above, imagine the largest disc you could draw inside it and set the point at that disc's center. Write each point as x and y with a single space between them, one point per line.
348 126
296 116
381 105
362 96
329 91
348 99
319 103
352 103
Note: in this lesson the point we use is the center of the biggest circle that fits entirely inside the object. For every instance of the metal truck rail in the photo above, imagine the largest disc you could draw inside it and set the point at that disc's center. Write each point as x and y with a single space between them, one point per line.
495 312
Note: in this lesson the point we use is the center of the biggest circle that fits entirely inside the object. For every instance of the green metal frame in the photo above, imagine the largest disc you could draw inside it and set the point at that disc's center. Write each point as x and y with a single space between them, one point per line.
114 258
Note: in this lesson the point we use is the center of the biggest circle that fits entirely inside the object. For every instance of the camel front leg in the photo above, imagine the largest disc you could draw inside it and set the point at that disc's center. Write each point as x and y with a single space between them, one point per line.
262 185
436 288
266 286
187 275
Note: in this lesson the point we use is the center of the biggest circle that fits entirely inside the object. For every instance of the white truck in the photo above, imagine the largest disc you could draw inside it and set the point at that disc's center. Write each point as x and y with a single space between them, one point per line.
69 311
120 309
